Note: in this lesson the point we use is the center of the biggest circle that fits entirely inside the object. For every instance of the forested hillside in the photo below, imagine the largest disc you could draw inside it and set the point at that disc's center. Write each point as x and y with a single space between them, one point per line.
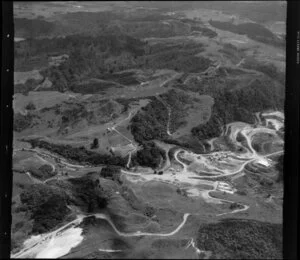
254 31
148 130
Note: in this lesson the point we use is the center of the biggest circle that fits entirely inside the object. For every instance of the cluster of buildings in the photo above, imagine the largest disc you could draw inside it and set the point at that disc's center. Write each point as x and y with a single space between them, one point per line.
218 156
225 187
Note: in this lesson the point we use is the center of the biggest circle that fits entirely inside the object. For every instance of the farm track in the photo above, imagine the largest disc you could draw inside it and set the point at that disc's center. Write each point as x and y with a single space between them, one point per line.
50 237
129 140
186 175
53 156
169 114
197 250
251 156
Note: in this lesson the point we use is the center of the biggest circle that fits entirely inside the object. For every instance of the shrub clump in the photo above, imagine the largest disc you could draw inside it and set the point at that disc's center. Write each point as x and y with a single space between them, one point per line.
110 172
22 122
30 106
44 172
47 205
241 239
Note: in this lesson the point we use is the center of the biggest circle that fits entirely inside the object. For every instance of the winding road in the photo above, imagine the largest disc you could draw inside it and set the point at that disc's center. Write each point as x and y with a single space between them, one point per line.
231 130
43 242
139 233
185 176
129 140
46 162
53 156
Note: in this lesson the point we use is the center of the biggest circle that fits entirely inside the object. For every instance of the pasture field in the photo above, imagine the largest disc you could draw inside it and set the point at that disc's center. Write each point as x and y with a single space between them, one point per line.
197 113
139 127
41 99
22 77
20 181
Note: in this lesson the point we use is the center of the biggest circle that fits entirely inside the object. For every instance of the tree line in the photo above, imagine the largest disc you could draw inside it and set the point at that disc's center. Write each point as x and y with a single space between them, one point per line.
78 154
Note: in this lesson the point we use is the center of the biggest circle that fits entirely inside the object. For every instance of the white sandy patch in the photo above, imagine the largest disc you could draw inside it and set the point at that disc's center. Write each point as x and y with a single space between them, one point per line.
54 244
263 161
277 124
61 245
109 250
274 113
197 250
32 240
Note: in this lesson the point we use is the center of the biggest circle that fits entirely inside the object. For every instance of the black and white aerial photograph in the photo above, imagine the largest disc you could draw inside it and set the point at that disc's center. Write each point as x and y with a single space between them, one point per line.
148 129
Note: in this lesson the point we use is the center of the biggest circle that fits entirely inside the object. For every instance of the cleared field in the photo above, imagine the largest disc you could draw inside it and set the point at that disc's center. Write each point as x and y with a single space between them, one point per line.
206 14
167 201
51 9
19 145
197 113
109 124
149 88
266 143
40 99
20 156
22 77
278 27
260 51
20 181
97 236
187 162
28 163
